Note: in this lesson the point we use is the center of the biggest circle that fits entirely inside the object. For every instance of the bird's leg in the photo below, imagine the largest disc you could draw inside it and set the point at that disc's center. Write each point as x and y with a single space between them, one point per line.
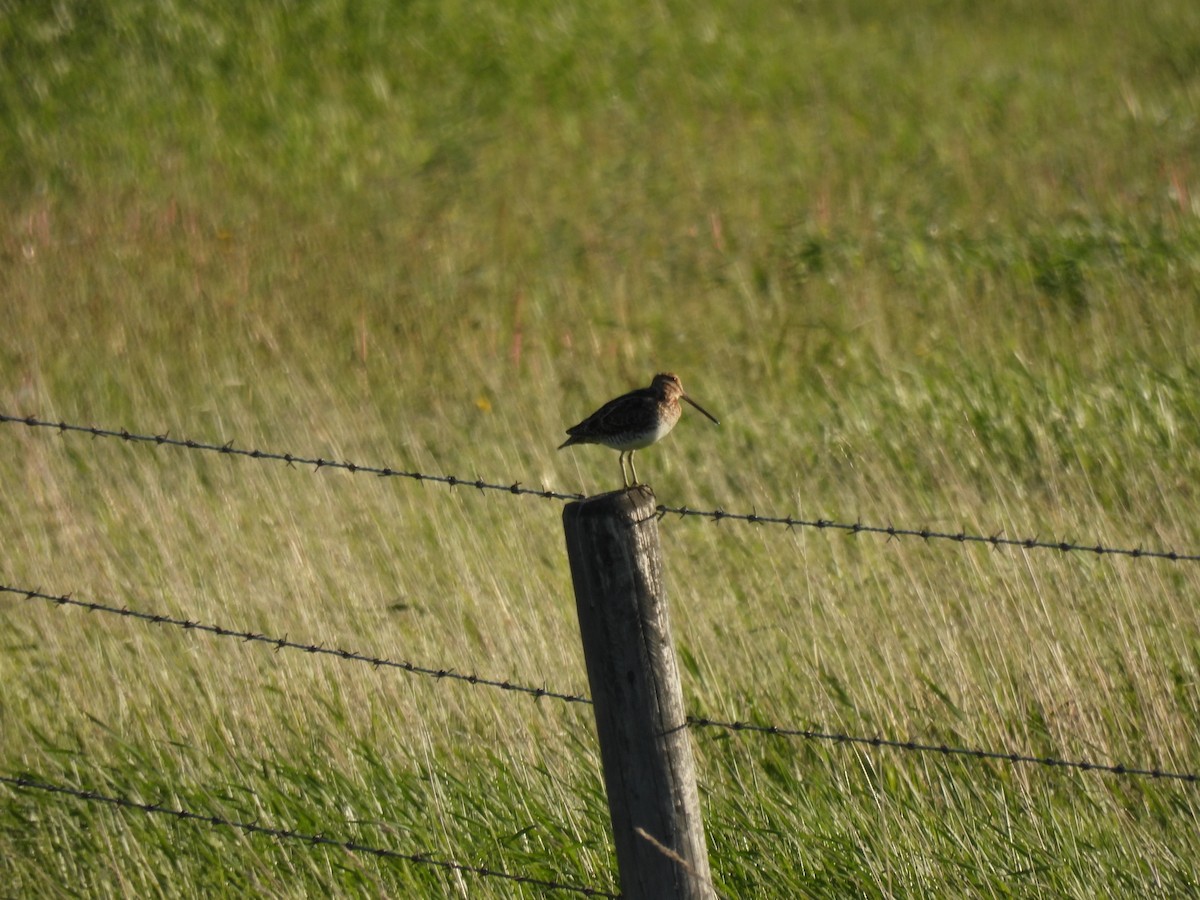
621 460
632 469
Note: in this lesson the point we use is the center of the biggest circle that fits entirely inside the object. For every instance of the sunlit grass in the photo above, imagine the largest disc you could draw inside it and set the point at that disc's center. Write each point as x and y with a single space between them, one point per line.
930 267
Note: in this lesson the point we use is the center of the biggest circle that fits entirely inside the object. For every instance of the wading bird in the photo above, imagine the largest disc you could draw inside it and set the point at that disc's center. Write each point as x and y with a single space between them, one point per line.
635 420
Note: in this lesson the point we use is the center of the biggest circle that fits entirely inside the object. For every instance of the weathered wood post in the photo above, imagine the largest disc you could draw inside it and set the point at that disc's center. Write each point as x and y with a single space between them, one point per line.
649 774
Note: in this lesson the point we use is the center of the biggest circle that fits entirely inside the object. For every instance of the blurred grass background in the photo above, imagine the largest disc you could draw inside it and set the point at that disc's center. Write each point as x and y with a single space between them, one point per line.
931 264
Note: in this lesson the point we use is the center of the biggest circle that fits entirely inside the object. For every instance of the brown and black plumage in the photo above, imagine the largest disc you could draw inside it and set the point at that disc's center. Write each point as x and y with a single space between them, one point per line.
635 420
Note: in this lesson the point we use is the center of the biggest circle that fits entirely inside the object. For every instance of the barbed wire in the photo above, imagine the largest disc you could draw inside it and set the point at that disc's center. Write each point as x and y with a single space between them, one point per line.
316 840
929 534
1099 548
292 459
693 721
942 749
284 643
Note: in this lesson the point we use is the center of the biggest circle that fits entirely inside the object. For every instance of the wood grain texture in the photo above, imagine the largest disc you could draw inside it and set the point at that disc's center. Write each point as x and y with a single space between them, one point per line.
649 773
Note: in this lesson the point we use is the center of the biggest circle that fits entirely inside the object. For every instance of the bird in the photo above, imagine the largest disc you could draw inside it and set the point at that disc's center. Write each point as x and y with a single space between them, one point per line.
635 420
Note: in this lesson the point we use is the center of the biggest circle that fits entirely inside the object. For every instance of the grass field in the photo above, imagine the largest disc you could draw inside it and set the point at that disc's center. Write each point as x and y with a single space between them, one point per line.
932 264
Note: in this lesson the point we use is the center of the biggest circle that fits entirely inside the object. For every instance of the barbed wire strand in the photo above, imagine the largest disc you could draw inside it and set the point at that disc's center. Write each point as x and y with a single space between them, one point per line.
292 459
929 534
1099 548
61 600
942 749
316 840
285 643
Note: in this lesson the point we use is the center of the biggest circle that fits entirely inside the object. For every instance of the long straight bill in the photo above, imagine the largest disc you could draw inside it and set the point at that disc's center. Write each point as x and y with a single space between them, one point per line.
701 408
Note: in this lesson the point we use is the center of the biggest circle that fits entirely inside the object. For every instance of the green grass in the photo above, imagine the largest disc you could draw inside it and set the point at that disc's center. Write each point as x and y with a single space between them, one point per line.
931 265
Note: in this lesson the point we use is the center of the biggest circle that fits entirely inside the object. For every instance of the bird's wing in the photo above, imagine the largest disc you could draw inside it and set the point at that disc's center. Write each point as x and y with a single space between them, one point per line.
620 414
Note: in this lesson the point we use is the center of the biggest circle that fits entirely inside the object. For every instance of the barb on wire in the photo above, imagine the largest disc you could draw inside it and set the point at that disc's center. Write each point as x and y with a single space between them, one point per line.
717 515
929 534
291 459
284 643
944 750
318 839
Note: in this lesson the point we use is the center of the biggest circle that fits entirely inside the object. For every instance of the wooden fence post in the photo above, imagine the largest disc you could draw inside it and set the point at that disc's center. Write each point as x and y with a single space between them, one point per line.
649 774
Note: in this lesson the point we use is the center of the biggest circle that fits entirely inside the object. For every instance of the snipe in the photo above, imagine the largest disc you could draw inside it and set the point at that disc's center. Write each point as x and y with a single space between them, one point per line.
635 420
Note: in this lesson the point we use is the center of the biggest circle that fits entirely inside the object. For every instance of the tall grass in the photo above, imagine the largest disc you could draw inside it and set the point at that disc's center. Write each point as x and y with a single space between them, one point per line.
933 265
